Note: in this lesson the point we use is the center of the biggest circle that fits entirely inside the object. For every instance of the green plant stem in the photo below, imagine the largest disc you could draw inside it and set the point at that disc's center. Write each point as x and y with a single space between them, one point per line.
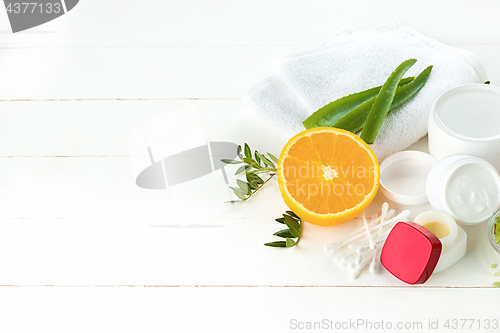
268 179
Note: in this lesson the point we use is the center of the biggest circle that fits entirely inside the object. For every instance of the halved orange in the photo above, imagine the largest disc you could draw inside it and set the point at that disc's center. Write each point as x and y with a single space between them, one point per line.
327 176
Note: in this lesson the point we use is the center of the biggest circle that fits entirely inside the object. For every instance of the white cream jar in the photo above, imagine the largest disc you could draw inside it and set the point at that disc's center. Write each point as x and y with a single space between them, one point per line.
465 187
466 120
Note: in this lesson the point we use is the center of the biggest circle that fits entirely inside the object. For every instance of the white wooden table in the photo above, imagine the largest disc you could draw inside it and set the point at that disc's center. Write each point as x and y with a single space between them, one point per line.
76 233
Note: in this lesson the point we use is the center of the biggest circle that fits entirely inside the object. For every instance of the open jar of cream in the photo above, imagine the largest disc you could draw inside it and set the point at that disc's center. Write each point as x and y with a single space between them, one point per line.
466 120
413 251
453 238
465 187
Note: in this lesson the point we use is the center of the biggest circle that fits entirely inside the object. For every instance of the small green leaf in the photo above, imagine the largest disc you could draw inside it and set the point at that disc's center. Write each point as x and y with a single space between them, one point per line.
294 228
267 162
253 186
244 186
283 233
248 152
487 82
230 161
240 195
291 219
238 152
242 169
251 162
257 157
273 157
280 220
290 242
254 179
289 212
255 172
276 244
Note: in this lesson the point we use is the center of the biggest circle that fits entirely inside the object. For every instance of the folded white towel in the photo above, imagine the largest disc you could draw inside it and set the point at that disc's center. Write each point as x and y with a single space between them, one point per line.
353 61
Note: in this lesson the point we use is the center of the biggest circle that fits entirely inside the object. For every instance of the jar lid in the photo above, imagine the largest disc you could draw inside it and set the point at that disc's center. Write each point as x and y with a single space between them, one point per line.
452 112
403 176
411 252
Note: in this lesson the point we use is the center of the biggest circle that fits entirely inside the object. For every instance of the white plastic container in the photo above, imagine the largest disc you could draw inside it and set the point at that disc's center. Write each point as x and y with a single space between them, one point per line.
454 243
465 187
466 120
403 176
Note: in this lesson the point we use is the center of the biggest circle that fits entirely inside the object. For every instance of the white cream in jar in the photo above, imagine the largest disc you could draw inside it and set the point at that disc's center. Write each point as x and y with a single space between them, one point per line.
470 192
466 187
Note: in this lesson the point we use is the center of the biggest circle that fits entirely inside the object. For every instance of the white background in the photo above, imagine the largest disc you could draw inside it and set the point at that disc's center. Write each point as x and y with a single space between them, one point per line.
79 250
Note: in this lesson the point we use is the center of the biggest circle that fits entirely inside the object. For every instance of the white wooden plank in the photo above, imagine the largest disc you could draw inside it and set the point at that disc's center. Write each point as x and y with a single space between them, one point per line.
284 22
132 73
62 310
147 73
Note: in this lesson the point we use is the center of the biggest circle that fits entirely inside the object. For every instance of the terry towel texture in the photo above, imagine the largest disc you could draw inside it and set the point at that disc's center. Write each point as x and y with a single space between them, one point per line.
352 61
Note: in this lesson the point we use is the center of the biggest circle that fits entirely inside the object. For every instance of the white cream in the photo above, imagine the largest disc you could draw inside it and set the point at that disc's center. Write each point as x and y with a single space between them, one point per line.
465 187
471 192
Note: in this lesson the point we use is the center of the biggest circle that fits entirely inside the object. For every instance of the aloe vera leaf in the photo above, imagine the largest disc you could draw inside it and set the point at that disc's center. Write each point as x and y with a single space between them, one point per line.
330 113
383 102
355 120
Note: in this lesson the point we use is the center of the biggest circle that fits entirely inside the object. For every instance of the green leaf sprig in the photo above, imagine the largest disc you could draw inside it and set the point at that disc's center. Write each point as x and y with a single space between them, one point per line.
253 165
291 234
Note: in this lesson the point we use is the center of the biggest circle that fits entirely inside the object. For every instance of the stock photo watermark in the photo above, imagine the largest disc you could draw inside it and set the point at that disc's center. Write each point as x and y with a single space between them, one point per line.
337 180
27 14
468 324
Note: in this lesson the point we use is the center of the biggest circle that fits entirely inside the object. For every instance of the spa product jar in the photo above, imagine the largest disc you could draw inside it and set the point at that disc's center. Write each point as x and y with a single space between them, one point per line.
466 120
465 187
452 237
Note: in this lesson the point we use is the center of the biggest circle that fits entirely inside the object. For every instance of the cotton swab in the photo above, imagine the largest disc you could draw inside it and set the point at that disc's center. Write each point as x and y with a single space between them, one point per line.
403 216
373 264
345 259
373 246
334 245
369 254
357 252
361 246
389 214
339 255
358 259
362 249
357 244
385 207
356 272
